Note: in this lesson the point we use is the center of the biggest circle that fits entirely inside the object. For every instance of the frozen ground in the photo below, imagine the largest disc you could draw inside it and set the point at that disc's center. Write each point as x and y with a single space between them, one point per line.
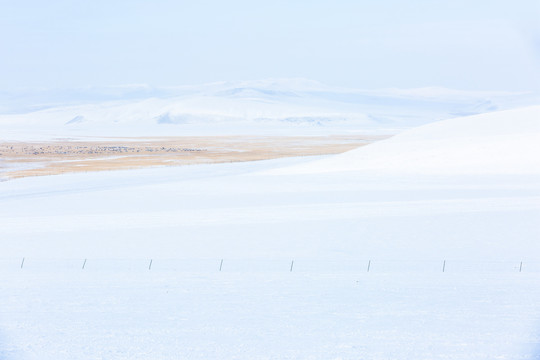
479 223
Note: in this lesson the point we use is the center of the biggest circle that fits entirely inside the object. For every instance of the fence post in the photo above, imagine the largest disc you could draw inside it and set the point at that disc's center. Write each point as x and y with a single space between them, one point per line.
443 265
292 264
150 266
520 266
22 263
221 265
84 263
368 265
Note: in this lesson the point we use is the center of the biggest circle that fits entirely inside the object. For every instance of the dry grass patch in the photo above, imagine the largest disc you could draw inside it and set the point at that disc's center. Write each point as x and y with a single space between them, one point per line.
20 159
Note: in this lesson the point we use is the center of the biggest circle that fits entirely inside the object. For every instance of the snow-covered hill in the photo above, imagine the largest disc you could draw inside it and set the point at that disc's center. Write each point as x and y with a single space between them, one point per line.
504 142
255 107
361 255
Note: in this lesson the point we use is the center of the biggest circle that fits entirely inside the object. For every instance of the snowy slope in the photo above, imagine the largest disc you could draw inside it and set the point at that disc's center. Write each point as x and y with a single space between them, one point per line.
272 106
376 184
505 142
127 264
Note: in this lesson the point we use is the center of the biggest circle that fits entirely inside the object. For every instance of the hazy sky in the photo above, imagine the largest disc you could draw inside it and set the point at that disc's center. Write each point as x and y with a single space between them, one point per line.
465 44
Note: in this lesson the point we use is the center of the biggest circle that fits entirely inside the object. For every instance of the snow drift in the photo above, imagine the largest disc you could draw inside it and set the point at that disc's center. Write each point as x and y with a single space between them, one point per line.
505 142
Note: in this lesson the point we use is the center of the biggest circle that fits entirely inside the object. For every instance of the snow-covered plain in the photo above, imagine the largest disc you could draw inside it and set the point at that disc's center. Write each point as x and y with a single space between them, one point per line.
447 229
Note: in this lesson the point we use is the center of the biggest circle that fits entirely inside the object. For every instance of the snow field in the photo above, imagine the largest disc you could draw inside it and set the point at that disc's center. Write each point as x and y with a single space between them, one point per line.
331 216
168 315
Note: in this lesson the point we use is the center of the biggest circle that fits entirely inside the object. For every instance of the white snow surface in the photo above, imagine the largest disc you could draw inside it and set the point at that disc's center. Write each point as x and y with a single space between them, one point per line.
499 142
453 256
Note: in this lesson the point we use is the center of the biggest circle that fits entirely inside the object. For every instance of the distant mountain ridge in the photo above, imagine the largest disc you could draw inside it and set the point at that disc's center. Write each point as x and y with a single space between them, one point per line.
275 106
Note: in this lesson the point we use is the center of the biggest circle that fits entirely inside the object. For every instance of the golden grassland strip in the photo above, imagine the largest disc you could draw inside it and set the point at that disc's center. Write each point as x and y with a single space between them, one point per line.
21 159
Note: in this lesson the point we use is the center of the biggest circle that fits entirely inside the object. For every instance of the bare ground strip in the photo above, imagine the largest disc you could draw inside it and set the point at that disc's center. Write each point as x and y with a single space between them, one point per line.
21 159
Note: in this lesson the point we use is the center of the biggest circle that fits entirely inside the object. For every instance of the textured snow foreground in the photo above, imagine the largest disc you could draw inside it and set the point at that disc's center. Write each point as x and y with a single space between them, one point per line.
440 197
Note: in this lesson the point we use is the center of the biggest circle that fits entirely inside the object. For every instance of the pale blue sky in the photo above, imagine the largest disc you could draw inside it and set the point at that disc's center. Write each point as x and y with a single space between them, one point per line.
464 44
